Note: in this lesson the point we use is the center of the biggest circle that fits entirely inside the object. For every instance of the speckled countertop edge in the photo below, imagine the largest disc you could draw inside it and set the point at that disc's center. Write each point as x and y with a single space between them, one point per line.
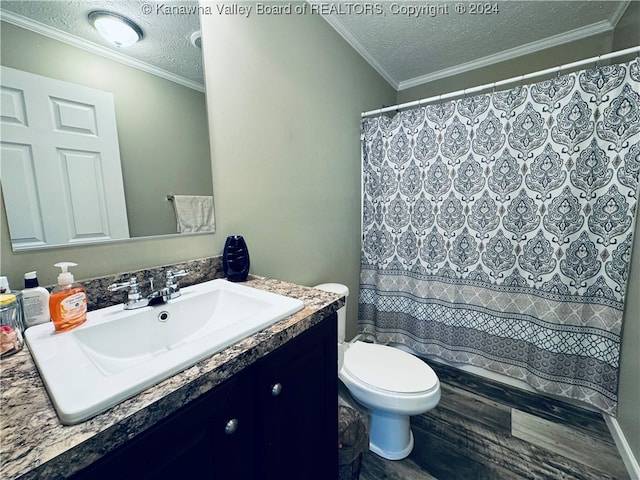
35 445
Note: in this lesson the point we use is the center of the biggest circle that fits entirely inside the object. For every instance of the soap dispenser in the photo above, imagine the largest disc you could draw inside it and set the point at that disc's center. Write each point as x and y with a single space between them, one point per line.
68 301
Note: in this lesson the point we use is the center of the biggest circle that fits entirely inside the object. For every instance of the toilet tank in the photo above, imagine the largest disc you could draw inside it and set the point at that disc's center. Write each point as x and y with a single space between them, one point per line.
342 312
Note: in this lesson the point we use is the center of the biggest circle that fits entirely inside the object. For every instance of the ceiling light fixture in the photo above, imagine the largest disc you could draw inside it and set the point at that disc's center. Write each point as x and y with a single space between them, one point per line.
115 28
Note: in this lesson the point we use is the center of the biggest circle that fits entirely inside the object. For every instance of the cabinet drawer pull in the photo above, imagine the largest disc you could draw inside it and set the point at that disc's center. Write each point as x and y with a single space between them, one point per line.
276 389
231 426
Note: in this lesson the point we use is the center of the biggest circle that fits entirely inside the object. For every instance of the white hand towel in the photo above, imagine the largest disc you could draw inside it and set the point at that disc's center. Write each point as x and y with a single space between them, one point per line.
194 213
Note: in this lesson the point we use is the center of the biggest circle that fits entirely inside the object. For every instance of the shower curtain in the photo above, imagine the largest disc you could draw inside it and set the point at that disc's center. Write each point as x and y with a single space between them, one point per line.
497 229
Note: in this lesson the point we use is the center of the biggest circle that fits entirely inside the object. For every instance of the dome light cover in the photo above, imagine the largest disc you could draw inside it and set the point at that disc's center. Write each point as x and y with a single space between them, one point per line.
115 28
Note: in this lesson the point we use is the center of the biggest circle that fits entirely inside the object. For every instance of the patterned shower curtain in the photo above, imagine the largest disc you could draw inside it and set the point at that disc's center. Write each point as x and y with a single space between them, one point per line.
497 229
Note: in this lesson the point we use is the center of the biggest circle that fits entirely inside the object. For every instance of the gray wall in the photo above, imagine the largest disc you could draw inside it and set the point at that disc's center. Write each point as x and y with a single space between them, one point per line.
162 126
285 95
625 35
629 387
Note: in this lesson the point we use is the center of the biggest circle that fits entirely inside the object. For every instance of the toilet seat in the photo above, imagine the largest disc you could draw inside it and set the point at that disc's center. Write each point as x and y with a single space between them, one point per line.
389 369
390 384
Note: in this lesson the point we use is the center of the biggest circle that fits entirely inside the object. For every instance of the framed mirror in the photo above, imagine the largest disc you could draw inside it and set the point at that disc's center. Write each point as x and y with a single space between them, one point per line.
159 104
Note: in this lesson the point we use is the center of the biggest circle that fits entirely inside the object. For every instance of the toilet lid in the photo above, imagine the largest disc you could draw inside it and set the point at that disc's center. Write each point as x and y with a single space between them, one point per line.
388 368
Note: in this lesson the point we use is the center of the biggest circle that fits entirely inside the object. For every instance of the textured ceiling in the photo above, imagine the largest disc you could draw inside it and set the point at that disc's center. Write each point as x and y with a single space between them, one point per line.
434 40
165 47
407 46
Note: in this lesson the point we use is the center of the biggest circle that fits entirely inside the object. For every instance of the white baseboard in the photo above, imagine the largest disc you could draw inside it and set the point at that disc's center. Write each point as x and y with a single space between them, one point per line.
623 447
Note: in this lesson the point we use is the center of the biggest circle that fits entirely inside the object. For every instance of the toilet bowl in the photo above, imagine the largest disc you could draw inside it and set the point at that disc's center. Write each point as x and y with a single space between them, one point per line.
389 383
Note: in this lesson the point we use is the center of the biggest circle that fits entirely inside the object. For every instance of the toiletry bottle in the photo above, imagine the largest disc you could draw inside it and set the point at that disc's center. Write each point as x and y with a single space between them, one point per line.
35 301
4 285
68 301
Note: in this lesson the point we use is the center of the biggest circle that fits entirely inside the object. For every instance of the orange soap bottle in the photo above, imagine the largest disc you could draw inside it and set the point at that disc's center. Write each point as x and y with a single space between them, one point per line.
68 301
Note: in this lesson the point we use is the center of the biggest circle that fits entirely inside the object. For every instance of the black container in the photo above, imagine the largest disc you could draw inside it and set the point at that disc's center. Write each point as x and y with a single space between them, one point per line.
235 259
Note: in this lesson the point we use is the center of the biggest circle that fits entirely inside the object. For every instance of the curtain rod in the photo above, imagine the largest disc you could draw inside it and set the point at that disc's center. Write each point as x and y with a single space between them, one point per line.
521 78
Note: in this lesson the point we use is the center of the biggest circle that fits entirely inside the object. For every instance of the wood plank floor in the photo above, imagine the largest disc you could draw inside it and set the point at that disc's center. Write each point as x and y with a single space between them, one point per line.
485 430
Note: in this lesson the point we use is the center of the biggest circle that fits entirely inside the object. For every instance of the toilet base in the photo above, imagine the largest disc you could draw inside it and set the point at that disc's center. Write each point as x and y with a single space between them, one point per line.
390 435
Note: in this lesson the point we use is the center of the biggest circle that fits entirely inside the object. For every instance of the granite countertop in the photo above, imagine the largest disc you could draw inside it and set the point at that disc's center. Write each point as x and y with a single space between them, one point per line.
35 445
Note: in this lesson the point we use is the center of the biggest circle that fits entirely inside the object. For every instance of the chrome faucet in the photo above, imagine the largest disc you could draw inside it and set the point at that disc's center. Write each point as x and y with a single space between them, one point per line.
171 288
135 299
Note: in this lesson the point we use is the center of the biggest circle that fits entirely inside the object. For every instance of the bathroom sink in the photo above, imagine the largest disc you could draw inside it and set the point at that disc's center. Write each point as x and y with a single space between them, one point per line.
118 353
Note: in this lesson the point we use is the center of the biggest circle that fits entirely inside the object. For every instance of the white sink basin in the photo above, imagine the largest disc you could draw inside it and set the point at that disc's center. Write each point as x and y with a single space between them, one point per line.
118 353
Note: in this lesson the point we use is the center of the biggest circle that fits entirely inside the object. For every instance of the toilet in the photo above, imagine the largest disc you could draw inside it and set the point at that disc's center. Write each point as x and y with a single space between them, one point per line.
389 383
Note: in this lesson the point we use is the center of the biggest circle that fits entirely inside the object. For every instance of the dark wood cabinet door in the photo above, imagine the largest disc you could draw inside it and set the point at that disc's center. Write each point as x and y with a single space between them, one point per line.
297 391
206 439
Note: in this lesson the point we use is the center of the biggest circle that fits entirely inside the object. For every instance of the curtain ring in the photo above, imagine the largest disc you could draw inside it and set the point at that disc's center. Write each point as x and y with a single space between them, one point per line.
558 68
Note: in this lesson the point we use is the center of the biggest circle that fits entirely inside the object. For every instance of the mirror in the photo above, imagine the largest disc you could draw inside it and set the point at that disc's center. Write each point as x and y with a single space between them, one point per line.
158 95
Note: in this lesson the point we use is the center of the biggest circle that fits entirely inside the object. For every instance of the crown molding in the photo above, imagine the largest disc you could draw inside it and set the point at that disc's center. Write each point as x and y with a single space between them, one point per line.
533 47
344 32
86 45
597 28
617 15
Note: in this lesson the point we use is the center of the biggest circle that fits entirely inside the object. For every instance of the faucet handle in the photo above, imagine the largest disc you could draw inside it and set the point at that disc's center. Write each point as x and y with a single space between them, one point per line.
171 288
132 284
178 274
134 297
173 276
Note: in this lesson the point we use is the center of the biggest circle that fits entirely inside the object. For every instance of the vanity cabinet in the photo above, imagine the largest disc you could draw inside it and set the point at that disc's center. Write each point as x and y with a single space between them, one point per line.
298 398
276 419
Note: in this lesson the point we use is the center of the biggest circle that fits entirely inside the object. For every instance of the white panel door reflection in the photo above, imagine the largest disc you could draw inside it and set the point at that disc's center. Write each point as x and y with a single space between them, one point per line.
60 162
